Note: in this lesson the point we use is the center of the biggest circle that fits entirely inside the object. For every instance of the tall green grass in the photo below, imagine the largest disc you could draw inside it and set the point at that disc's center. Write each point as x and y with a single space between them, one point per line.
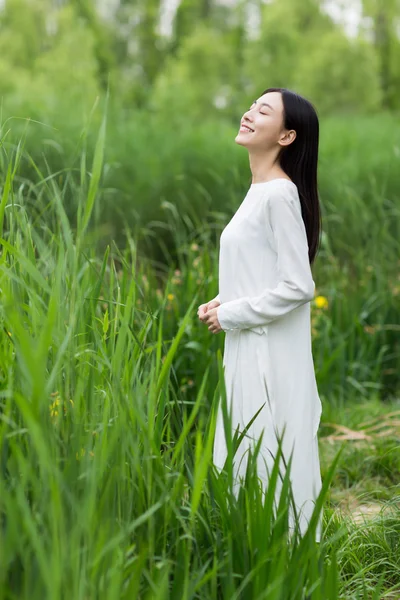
167 189
109 391
197 166
108 487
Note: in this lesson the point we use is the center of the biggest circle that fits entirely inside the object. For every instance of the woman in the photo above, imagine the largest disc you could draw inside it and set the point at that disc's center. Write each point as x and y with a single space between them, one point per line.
265 289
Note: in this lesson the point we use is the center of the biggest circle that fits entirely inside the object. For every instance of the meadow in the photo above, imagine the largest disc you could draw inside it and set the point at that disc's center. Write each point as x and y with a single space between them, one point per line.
110 384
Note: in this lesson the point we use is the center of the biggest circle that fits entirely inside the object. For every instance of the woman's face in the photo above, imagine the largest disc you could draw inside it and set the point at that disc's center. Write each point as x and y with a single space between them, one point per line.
265 119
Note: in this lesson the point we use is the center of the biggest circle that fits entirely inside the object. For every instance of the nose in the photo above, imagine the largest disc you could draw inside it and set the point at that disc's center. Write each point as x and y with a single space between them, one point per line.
247 116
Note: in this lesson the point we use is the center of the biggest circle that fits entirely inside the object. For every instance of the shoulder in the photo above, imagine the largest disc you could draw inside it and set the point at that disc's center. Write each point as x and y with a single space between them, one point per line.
282 193
282 188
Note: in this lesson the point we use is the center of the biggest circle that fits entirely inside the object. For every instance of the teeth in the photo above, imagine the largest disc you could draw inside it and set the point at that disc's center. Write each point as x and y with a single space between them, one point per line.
247 128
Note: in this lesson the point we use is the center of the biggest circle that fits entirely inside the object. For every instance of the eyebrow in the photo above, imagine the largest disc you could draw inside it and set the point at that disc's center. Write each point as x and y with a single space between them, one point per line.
264 104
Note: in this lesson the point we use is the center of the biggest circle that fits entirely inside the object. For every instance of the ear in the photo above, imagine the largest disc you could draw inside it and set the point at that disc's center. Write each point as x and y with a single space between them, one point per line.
288 138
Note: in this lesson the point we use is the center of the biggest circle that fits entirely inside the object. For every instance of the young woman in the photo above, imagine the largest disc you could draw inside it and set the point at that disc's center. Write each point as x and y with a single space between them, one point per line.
265 289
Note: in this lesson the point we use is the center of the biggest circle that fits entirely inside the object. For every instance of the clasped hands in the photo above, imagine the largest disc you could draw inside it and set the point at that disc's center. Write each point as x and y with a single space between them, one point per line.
207 313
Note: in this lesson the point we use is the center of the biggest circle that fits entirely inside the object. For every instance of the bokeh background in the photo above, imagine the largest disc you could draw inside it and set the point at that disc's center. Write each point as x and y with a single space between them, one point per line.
181 75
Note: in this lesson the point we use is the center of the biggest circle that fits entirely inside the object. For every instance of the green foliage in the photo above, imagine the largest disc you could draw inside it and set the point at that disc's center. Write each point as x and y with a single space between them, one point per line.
204 60
270 59
61 55
297 47
56 69
382 31
140 50
340 75
23 32
70 62
287 32
108 488
109 387
109 384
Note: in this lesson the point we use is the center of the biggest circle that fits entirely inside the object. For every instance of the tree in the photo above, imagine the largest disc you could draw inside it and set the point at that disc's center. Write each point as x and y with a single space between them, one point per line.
340 75
141 50
103 38
48 60
385 17
197 82
23 32
192 13
287 30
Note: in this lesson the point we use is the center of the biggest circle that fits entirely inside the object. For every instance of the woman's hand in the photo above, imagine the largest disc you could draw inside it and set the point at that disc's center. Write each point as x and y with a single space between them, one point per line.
211 319
207 313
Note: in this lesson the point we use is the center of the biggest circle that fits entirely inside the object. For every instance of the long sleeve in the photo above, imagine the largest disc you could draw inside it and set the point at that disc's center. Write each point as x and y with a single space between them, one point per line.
295 285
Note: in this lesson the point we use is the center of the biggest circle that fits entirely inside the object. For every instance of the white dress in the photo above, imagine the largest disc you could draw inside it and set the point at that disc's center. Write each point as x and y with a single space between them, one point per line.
265 289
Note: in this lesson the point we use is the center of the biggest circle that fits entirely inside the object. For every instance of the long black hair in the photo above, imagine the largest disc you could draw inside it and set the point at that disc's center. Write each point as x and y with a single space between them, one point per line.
300 158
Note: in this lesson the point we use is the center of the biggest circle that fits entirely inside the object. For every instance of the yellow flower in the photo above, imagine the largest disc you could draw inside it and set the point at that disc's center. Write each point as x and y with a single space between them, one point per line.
321 302
53 405
9 333
170 296
194 247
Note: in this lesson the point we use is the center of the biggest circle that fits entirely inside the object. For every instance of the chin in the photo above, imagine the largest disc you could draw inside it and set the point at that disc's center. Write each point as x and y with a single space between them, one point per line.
239 140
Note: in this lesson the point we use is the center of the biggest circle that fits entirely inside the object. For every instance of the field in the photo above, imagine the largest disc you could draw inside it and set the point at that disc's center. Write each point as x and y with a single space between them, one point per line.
109 383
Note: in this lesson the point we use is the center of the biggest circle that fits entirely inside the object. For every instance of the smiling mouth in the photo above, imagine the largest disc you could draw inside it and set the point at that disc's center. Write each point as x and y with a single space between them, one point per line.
245 128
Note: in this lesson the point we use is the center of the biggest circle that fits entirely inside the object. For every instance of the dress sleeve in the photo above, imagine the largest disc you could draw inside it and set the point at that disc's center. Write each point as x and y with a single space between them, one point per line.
295 283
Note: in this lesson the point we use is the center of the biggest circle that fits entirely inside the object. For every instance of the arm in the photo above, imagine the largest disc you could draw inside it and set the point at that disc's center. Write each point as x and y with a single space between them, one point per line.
295 286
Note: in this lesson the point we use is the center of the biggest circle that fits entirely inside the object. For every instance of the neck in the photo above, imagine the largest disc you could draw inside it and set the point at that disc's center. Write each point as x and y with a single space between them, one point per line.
264 167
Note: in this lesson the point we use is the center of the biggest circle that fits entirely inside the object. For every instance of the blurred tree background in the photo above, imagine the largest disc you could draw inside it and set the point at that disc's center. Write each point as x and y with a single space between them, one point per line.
181 74
227 48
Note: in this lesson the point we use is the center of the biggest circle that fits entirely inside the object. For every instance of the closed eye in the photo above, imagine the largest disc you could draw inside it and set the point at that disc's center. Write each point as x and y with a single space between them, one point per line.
254 104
